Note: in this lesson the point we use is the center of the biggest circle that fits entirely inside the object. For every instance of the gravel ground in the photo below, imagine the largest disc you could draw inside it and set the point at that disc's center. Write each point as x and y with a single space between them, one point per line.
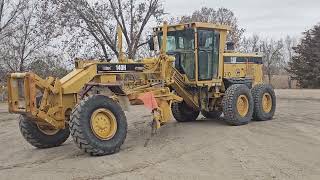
287 147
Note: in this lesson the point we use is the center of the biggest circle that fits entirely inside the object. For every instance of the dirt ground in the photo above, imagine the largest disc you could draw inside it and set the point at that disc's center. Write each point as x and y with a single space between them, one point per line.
287 147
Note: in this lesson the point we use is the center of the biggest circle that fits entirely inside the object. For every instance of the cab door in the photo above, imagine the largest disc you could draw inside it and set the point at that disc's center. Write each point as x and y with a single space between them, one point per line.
208 54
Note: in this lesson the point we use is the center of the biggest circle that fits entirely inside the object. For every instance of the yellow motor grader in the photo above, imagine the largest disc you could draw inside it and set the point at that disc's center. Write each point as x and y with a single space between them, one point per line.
196 71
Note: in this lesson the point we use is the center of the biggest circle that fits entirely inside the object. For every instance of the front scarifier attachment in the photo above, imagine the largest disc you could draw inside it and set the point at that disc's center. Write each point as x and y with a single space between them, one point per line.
28 94
41 124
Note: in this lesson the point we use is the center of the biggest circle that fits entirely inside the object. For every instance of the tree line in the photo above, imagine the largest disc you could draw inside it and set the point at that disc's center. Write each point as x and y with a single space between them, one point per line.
45 36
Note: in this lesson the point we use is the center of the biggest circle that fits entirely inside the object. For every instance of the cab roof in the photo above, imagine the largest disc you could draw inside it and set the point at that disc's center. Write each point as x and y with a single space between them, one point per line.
183 26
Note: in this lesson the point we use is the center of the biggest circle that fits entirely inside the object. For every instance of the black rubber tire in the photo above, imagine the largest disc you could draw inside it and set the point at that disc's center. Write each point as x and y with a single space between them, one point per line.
183 113
229 103
257 93
81 129
211 114
37 138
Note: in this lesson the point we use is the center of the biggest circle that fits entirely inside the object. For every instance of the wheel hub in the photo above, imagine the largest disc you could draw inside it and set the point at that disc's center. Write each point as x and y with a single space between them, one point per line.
243 105
103 124
266 102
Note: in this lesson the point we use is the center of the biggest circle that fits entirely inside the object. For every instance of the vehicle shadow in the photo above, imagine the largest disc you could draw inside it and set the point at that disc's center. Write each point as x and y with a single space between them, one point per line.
205 121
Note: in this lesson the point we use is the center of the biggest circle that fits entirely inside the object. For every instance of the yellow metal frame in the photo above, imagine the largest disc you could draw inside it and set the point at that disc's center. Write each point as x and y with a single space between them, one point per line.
60 96
245 69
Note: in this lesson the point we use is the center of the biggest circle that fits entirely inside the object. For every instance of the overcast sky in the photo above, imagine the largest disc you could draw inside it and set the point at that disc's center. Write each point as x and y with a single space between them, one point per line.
268 18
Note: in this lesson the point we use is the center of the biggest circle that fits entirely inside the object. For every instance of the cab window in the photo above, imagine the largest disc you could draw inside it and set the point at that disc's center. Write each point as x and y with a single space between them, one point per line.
208 53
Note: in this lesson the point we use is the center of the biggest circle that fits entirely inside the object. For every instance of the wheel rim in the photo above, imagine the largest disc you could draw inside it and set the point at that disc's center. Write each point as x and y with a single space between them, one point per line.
266 102
243 105
47 130
103 124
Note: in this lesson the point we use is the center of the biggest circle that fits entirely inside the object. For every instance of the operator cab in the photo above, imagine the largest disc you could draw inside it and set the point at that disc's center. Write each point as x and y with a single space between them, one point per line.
195 47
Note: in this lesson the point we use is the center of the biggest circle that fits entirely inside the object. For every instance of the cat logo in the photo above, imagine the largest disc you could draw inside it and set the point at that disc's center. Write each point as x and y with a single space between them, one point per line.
238 72
106 68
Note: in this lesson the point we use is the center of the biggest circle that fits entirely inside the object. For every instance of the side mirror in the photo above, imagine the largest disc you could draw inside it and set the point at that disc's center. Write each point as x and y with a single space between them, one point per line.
230 46
151 43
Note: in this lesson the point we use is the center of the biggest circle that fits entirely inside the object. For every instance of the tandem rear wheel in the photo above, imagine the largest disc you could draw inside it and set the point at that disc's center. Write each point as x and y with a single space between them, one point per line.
241 105
264 102
237 105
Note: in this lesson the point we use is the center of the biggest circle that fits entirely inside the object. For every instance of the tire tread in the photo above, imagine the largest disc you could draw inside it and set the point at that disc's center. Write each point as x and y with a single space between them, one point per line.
229 107
77 130
36 138
257 91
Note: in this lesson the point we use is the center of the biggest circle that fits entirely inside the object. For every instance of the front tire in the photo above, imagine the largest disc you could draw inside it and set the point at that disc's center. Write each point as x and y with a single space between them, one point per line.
264 102
184 113
98 125
42 136
237 105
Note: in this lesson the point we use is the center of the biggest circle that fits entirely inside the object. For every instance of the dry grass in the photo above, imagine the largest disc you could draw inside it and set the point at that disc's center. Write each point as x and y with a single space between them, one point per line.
282 82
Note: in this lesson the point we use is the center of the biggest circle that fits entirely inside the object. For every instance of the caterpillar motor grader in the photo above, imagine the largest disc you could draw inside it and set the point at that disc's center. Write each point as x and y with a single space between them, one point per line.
193 72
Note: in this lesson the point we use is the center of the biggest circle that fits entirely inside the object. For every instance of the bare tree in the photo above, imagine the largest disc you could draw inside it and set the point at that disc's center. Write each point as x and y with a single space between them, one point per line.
220 16
100 19
139 15
273 56
273 51
250 44
9 11
33 33
289 43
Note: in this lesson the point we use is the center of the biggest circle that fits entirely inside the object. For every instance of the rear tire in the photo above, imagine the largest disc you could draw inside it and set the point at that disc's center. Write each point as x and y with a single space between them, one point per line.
263 93
184 113
211 114
85 136
237 105
38 138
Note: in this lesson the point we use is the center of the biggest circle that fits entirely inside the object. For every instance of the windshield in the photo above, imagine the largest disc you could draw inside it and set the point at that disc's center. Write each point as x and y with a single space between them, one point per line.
178 40
181 45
